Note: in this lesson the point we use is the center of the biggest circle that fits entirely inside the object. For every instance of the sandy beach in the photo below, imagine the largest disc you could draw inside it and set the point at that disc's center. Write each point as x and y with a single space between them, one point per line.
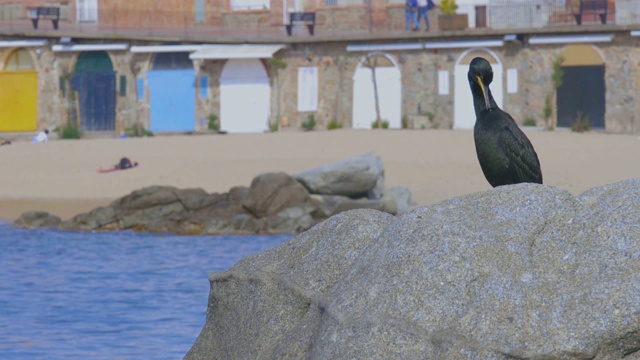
61 176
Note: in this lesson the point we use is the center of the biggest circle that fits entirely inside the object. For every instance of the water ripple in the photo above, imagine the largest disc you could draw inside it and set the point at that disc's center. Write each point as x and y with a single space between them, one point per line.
117 295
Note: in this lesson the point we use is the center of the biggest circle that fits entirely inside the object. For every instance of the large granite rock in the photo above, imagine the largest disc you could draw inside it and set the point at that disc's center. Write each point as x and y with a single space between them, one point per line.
358 176
517 272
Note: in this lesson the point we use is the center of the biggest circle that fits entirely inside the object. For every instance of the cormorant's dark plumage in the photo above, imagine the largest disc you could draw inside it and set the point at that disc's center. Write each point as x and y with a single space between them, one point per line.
505 153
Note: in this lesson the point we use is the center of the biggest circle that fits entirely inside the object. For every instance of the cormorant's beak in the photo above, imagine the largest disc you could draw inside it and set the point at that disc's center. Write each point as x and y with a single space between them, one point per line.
484 92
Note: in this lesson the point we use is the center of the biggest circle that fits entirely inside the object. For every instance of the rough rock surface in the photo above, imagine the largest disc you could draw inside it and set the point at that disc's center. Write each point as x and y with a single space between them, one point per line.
272 192
275 203
517 272
358 176
36 219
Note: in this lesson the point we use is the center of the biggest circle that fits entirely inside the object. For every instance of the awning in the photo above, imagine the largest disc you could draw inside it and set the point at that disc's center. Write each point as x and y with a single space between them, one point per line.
164 48
571 39
385 47
463 44
428 45
22 43
244 51
89 47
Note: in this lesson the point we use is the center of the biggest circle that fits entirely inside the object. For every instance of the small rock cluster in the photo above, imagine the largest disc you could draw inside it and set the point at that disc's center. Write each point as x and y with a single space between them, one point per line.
274 203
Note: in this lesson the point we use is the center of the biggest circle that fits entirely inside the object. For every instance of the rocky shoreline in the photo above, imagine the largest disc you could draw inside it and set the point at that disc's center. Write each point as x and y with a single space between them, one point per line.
274 203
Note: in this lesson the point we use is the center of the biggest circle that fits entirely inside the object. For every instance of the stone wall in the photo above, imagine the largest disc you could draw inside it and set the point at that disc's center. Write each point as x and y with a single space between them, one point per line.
622 82
422 106
348 18
419 71
210 104
251 21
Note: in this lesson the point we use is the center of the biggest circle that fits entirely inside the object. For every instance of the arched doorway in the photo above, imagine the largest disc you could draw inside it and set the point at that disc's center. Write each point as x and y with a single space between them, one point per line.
389 87
19 93
245 96
582 93
172 93
464 116
94 81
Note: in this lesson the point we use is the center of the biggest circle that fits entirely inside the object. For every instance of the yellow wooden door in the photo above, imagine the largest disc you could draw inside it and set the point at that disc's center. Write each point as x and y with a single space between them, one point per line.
18 100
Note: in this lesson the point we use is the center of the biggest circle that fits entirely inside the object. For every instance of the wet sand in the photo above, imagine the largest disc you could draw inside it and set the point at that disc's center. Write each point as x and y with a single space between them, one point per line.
61 176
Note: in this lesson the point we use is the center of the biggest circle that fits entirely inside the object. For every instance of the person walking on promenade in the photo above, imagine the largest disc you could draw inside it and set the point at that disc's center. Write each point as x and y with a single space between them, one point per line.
423 8
410 15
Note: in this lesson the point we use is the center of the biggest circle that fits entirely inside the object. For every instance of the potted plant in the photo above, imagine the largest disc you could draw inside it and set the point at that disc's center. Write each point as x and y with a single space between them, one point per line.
449 20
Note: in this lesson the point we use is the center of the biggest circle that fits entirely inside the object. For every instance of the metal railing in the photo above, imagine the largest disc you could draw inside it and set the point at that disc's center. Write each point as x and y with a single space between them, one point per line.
249 4
344 2
330 21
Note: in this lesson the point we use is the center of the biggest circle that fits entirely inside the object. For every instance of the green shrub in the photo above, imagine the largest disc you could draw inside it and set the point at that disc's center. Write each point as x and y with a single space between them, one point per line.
546 111
581 124
137 130
333 124
405 122
385 124
213 123
530 121
70 132
310 124
430 115
448 6
273 127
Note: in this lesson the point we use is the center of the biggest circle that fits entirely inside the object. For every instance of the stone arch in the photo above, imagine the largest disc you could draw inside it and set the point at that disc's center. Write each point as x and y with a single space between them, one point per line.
582 94
582 55
93 61
19 59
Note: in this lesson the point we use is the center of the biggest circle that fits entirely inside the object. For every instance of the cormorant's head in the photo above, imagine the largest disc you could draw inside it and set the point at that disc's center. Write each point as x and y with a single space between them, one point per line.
481 74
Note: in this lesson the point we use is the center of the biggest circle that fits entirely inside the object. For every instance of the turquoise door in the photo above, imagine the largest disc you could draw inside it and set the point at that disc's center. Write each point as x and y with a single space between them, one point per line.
172 97
172 93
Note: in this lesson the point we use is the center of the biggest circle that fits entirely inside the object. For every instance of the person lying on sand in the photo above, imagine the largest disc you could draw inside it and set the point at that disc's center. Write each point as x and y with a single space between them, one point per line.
124 164
5 142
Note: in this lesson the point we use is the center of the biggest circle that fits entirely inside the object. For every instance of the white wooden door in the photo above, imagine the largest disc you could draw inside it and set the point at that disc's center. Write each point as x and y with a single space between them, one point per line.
389 95
244 96
464 116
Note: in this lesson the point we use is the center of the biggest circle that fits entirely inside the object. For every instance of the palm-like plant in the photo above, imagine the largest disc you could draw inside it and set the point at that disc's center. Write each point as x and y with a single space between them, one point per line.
448 6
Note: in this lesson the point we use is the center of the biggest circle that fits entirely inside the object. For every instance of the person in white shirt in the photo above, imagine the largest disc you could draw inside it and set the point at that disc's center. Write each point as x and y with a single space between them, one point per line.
423 8
43 136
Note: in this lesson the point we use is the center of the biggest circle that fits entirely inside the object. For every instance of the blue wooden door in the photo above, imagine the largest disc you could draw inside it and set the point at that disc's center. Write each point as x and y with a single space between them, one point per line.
96 99
172 98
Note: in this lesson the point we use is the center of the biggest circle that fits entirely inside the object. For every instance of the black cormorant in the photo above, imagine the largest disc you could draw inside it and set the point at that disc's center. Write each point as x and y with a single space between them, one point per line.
505 153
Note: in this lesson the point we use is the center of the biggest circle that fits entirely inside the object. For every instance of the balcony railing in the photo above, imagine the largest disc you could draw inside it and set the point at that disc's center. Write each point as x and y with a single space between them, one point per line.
344 2
332 18
249 4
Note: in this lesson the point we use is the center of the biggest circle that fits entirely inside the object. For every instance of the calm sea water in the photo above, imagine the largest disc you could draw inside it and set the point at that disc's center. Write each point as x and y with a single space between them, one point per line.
118 295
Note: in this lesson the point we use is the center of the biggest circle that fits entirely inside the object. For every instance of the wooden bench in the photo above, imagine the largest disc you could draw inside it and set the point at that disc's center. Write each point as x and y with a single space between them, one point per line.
44 12
301 18
593 7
